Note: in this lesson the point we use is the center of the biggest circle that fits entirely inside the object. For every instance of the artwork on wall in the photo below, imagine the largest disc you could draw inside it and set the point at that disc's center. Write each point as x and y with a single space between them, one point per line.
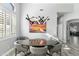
37 24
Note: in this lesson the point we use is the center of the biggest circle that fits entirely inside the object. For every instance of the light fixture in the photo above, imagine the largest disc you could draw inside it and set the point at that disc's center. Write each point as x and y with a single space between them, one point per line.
41 9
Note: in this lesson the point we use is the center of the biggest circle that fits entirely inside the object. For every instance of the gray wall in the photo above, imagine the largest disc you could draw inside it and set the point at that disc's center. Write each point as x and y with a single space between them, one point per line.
72 15
18 18
34 10
49 10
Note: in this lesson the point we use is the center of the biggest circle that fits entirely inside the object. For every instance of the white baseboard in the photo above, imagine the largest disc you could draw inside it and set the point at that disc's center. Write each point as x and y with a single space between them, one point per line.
11 52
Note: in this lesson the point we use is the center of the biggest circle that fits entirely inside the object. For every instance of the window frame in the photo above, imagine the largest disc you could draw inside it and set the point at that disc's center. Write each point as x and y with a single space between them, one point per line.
10 13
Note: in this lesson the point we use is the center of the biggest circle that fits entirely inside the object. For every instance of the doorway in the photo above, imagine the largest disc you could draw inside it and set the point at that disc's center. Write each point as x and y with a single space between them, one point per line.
72 33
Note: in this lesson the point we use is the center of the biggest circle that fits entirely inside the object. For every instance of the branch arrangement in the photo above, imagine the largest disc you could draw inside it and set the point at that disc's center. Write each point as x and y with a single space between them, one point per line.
37 20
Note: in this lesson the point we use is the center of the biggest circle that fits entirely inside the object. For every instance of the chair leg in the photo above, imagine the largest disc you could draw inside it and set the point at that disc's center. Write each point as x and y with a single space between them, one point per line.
59 52
28 54
15 51
49 54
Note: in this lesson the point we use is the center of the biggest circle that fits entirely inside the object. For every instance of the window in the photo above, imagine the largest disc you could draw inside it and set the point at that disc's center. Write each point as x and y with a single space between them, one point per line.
7 23
13 24
1 24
